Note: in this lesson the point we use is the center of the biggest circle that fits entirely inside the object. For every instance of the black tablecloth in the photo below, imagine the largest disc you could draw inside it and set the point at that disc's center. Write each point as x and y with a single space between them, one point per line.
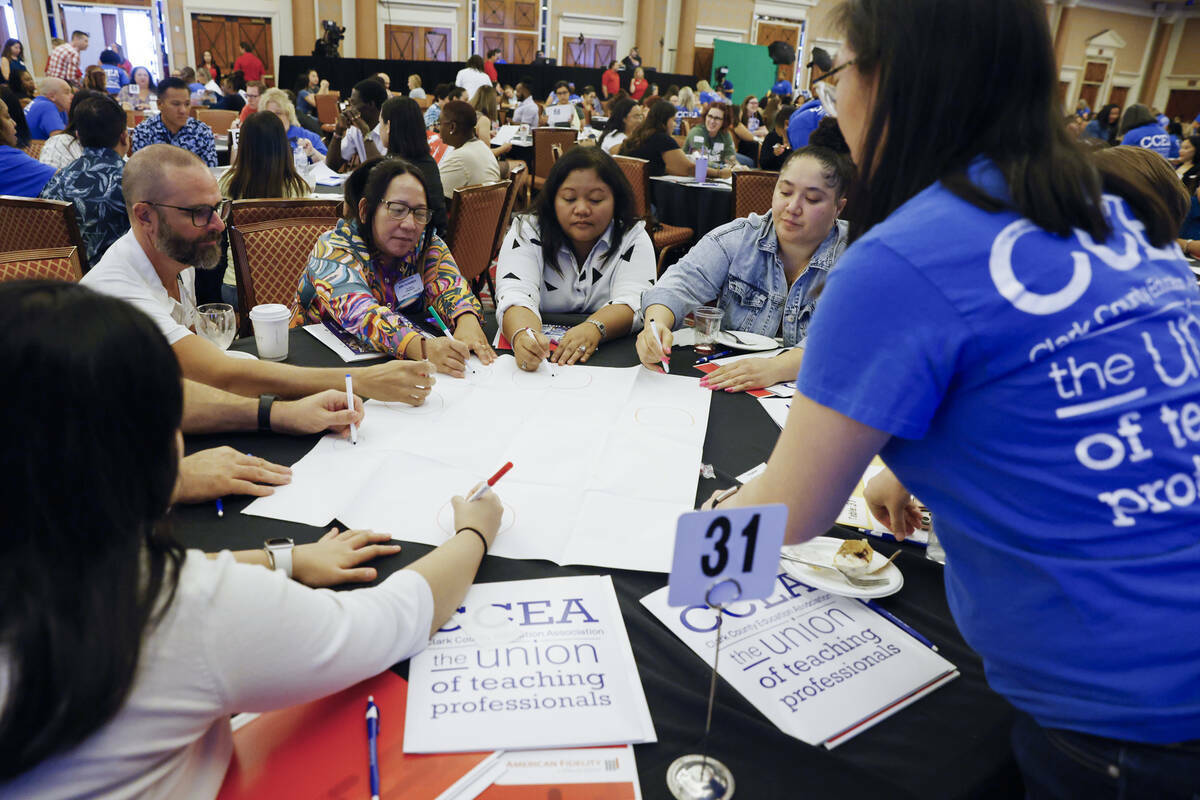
700 208
953 743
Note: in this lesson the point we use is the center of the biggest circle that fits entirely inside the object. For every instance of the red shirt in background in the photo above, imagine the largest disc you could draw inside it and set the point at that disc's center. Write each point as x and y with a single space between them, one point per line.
637 88
489 67
250 65
611 81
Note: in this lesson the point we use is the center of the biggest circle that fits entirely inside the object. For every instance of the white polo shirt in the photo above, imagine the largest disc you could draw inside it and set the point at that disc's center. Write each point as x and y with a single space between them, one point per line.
126 272
352 143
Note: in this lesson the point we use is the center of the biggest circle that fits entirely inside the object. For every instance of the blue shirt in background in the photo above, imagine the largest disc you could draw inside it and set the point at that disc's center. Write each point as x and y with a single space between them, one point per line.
1152 137
803 122
296 132
20 175
44 118
783 88
1045 411
116 78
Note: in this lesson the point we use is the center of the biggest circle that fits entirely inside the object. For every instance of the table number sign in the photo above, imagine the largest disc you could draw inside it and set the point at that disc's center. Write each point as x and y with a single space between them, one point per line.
731 552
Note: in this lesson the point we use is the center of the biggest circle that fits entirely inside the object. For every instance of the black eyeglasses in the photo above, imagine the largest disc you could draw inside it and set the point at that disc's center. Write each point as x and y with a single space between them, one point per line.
400 211
827 91
202 215
834 71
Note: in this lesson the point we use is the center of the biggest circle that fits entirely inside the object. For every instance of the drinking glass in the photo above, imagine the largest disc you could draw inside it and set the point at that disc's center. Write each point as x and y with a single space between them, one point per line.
708 325
217 323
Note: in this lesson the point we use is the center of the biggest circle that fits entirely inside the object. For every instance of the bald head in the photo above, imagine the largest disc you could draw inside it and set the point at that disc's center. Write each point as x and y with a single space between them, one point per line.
54 89
153 171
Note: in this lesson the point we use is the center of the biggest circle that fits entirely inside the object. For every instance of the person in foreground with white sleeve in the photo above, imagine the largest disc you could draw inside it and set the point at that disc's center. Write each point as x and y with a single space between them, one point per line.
579 251
122 656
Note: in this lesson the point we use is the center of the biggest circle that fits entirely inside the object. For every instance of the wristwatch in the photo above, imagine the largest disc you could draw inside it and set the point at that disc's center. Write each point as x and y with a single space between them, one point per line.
264 412
599 326
279 553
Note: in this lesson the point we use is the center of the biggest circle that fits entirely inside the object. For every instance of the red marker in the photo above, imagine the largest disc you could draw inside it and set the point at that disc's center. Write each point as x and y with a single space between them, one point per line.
478 493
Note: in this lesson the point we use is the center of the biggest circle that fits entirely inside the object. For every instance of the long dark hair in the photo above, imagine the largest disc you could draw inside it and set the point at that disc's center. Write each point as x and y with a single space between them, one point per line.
552 235
76 99
9 97
378 180
6 51
406 128
940 102
1136 116
84 567
263 167
616 118
149 79
660 115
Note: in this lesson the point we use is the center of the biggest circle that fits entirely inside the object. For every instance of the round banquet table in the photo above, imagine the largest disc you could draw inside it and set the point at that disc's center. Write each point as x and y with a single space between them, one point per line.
951 744
700 207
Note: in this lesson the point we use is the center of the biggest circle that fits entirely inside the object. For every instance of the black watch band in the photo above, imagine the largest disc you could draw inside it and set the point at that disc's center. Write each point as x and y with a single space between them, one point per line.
264 411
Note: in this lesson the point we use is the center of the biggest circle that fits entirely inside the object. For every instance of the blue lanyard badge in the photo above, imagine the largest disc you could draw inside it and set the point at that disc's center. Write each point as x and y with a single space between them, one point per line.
408 289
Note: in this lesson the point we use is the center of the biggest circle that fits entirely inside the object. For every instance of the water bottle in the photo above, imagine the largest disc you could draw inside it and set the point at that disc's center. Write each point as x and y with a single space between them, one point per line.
934 551
301 159
702 165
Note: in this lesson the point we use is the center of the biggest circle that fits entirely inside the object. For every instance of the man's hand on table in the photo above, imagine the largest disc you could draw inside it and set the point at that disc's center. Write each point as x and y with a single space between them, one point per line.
396 381
219 471
324 411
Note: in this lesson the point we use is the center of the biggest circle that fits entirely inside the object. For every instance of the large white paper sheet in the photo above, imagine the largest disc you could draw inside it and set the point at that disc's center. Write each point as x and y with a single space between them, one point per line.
605 460
819 666
528 664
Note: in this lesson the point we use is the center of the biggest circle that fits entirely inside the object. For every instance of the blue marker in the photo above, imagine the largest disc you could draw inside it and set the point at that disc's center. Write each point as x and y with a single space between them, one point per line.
373 744
904 626
707 359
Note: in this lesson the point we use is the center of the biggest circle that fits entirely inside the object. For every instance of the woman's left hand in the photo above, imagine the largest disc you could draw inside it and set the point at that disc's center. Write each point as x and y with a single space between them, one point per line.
468 331
749 373
337 557
577 344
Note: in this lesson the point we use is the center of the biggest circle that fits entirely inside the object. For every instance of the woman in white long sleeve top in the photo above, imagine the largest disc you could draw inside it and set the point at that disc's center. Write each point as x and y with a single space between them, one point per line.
122 656
579 251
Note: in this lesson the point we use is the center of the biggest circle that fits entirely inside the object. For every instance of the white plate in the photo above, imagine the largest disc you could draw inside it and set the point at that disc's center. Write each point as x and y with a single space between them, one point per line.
820 551
750 341
241 354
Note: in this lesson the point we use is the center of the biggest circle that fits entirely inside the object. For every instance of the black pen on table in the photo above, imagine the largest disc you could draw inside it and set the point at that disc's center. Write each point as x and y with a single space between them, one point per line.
899 623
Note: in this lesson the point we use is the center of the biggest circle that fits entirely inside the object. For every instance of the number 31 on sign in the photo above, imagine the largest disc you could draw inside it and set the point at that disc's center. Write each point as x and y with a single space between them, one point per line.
735 549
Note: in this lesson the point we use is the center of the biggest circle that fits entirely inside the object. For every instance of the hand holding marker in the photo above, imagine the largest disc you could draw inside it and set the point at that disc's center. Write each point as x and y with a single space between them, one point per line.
666 364
446 331
478 493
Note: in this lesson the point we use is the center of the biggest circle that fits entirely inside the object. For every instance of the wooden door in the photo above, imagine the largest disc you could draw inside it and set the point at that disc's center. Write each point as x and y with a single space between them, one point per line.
1183 103
778 32
414 43
591 53
1063 86
702 63
224 34
1089 93
1119 95
499 23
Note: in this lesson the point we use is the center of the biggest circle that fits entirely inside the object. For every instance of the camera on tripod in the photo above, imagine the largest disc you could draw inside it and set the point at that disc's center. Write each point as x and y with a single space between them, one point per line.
327 45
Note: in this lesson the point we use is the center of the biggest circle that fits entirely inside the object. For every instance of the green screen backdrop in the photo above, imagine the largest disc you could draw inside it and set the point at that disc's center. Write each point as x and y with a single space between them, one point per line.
750 68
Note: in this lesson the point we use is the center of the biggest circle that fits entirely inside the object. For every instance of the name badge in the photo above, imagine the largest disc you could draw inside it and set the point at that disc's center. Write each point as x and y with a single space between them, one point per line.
408 289
718 147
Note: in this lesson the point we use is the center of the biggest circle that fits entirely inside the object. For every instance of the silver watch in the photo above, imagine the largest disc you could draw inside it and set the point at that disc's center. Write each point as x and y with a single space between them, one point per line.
279 553
599 326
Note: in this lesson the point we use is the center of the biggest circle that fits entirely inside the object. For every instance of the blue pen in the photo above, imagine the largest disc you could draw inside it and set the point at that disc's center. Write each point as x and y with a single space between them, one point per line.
707 359
373 744
220 508
904 626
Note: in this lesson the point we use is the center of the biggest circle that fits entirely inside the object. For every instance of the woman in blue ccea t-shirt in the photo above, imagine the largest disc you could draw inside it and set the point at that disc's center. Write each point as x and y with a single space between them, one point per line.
1024 352
1140 128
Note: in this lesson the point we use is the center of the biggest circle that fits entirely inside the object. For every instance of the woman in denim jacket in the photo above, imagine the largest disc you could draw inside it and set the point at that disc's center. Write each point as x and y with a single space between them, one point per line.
765 271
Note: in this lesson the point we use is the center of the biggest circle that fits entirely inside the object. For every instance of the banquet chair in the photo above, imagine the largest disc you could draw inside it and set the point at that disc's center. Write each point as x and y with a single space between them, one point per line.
752 192
269 257
555 153
34 148
55 263
33 224
245 212
520 186
665 237
219 119
476 215
543 157
327 111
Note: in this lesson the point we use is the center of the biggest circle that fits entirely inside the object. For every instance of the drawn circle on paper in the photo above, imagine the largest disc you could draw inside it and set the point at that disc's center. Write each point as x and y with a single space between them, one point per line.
445 518
482 376
434 404
664 417
567 378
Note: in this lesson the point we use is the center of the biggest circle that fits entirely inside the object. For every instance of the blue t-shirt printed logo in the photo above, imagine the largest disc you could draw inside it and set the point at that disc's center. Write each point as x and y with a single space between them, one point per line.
1167 350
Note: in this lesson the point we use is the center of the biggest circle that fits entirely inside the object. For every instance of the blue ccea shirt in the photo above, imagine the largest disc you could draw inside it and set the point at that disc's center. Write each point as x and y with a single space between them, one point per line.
20 175
43 118
1152 137
295 132
803 122
1043 394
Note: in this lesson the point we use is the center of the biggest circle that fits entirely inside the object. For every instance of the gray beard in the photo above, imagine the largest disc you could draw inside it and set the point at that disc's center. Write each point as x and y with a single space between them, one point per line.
201 255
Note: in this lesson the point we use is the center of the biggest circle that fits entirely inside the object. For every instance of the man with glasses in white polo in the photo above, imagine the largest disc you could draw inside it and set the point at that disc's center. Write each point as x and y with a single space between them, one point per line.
176 216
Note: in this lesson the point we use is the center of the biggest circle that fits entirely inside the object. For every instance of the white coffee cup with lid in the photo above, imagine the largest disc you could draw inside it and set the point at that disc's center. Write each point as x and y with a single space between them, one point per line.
270 322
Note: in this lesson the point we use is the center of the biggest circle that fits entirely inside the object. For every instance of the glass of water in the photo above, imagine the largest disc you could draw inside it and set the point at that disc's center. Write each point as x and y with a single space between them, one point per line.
217 323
